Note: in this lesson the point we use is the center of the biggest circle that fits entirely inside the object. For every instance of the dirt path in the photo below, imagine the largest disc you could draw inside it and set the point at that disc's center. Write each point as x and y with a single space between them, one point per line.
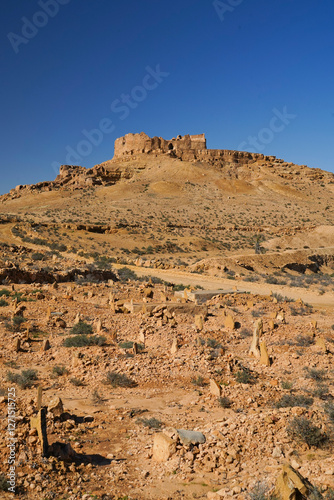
309 296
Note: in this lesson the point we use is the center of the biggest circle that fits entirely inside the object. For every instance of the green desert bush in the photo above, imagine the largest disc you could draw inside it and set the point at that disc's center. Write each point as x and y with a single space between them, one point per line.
329 410
125 345
77 382
119 380
244 377
3 483
126 274
314 374
302 429
37 256
151 423
59 370
224 402
304 340
25 379
97 399
260 491
285 384
213 343
291 400
320 391
82 328
199 381
84 341
3 303
15 324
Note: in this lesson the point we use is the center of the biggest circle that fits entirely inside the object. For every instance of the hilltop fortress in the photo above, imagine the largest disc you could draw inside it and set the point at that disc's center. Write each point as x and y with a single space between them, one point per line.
187 147
129 153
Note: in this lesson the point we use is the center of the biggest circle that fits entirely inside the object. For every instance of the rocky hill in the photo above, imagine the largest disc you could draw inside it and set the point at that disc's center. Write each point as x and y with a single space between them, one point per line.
172 203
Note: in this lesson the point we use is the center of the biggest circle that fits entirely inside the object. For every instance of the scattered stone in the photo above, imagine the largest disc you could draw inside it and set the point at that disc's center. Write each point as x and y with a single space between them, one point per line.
271 324
290 485
229 322
39 398
148 293
257 334
48 314
17 345
39 423
264 359
190 437
141 337
199 322
174 347
56 407
163 447
277 452
19 310
281 317
98 326
46 345
135 348
60 323
215 388
321 345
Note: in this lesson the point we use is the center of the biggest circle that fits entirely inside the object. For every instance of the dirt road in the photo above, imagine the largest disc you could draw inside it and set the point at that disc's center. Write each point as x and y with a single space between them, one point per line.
308 296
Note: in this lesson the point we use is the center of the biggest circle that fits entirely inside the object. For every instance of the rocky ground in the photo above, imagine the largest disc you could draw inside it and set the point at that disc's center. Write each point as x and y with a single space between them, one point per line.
156 363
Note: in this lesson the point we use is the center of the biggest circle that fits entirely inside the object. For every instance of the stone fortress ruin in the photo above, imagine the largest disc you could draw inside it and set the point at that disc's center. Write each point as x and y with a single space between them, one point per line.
187 147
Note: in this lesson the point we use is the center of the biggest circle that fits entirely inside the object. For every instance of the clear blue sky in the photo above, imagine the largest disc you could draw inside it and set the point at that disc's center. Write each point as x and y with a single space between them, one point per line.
223 71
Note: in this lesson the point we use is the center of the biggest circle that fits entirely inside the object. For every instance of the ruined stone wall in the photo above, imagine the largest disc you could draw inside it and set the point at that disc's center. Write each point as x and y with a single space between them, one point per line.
141 143
187 147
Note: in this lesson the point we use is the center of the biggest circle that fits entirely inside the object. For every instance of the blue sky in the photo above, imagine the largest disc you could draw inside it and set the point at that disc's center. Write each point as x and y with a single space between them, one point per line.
254 74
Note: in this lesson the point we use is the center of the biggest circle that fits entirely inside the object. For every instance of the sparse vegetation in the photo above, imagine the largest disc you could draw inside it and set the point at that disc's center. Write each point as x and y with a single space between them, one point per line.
213 344
126 274
314 374
15 324
245 332
260 491
286 385
304 340
199 381
291 400
97 399
244 377
151 423
84 340
59 370
81 328
77 382
224 402
3 483
119 380
302 429
25 379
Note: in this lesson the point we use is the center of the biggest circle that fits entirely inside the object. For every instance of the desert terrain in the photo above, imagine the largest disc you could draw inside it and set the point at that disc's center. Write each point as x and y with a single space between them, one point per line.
167 327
